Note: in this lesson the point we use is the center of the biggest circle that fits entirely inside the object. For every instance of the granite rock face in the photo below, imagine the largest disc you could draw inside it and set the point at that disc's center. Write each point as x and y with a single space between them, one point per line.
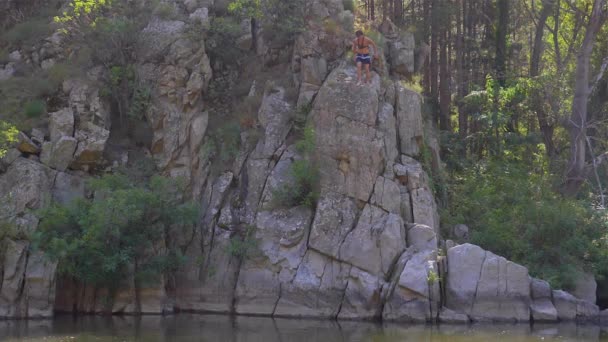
367 248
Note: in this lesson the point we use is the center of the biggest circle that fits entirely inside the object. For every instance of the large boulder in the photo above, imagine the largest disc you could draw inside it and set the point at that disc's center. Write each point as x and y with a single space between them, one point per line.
571 308
421 237
485 286
401 52
25 186
61 123
542 308
59 154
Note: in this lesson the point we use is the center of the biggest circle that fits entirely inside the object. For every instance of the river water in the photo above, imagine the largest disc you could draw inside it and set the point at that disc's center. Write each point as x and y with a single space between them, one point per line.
212 328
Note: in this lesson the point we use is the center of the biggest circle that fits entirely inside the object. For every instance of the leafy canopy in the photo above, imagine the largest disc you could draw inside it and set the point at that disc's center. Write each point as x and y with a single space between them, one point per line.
120 233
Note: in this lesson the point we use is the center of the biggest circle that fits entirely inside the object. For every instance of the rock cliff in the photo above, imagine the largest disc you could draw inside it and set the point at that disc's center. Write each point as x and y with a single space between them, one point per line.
369 247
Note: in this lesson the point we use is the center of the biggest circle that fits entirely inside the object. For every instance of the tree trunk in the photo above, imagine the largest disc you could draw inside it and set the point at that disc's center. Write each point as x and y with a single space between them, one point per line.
537 52
577 124
444 84
460 70
502 29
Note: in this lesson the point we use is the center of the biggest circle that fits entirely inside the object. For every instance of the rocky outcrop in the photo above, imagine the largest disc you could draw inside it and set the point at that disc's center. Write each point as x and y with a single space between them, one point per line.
179 71
367 249
28 279
487 287
542 308
401 53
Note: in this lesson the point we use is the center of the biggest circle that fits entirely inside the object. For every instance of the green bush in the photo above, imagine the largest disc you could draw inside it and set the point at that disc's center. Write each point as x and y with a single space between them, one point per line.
165 11
349 5
305 173
221 43
514 213
120 233
34 108
243 246
28 32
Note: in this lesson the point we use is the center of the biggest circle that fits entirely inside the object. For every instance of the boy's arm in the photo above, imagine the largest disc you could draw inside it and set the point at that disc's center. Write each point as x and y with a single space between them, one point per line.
354 47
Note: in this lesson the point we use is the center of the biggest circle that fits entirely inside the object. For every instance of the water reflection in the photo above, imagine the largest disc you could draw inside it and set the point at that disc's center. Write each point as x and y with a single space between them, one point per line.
213 328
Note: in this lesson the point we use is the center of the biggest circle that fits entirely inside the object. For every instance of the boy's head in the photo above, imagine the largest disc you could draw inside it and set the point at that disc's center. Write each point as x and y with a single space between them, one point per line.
359 33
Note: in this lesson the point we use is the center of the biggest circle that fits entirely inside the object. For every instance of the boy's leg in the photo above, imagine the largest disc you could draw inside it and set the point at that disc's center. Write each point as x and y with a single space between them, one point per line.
359 71
369 78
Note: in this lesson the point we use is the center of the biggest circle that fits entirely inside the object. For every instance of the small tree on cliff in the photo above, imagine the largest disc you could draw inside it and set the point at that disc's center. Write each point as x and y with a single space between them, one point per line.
124 232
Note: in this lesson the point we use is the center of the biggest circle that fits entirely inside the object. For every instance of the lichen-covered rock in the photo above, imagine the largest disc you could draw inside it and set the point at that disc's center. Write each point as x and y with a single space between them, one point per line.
26 145
59 154
486 286
91 144
61 123
26 185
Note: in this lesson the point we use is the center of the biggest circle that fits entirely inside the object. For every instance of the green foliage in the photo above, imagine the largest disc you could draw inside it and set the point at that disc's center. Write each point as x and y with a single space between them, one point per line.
243 246
306 144
228 137
23 97
282 19
8 135
432 277
140 102
299 118
222 36
512 211
119 233
165 11
222 145
304 189
34 108
349 5
83 12
28 33
246 8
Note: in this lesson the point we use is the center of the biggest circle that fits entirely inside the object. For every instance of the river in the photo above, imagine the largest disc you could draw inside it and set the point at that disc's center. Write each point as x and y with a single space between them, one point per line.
212 328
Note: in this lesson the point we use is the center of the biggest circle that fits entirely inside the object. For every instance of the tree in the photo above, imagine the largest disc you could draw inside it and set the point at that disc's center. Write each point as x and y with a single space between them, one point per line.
577 124
123 232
